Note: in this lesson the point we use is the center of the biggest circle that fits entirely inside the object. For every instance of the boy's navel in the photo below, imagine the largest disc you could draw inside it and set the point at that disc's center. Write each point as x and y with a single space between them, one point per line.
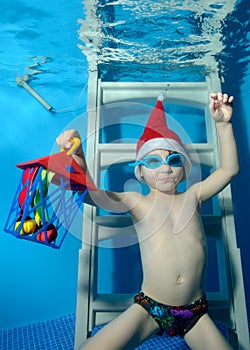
179 279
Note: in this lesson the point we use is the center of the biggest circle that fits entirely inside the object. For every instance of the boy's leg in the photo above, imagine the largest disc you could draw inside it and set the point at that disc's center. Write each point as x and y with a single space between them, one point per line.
205 335
125 332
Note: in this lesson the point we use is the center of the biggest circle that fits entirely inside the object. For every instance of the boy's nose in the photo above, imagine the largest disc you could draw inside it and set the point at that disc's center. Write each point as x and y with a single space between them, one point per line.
166 166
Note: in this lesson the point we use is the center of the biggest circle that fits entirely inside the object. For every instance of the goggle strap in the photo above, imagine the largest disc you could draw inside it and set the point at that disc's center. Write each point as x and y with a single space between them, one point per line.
139 162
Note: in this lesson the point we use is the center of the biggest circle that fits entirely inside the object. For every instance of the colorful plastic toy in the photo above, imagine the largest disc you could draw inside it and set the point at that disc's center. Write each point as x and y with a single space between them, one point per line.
48 197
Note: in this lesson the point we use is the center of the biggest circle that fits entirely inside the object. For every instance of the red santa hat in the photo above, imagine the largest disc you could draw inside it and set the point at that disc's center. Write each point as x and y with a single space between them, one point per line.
157 135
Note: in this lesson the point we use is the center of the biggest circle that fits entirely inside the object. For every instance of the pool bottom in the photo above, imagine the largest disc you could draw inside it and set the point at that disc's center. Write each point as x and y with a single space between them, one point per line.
56 334
59 335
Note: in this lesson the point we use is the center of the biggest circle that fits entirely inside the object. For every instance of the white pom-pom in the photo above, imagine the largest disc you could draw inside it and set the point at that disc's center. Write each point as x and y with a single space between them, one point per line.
162 96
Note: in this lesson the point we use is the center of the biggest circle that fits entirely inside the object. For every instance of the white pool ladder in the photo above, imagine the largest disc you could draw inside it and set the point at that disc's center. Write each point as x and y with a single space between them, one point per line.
228 304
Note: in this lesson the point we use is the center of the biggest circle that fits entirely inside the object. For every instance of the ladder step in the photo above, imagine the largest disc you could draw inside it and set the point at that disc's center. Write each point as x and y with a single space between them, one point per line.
192 94
118 153
114 302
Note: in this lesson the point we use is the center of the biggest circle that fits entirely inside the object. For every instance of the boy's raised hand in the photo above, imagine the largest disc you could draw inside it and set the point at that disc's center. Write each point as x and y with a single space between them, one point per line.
64 140
220 107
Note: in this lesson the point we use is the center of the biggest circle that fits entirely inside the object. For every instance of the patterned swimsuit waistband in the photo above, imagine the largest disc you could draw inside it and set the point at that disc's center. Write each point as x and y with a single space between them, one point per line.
202 300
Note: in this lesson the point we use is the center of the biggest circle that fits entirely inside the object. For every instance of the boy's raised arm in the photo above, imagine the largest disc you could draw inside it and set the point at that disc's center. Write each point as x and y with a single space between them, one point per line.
221 111
111 201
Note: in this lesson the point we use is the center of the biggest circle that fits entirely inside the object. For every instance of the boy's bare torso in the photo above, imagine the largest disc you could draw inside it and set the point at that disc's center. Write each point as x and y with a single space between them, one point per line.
173 246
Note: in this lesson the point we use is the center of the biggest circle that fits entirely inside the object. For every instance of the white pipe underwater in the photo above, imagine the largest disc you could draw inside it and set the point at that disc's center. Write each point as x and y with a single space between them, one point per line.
21 82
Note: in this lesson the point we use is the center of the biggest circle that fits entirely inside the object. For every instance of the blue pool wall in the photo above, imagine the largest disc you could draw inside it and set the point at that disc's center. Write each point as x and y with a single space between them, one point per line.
39 283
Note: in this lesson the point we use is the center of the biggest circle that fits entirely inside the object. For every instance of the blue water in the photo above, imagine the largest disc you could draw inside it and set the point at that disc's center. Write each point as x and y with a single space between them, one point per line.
39 284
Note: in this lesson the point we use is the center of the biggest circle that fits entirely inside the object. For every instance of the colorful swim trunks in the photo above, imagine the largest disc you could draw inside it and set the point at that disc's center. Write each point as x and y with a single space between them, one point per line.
174 320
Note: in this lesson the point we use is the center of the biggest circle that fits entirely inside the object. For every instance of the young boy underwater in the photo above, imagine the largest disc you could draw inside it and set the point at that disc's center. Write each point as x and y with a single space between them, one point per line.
170 234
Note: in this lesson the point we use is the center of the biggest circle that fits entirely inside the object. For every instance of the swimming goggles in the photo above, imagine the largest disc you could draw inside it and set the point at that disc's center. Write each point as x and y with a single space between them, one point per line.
154 162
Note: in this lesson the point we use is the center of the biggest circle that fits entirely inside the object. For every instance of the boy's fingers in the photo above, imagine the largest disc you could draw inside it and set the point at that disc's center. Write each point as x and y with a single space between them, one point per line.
219 96
225 98
212 103
213 94
64 140
68 145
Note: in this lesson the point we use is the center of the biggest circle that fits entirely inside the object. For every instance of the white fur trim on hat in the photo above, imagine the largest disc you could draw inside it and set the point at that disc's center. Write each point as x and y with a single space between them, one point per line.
161 143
